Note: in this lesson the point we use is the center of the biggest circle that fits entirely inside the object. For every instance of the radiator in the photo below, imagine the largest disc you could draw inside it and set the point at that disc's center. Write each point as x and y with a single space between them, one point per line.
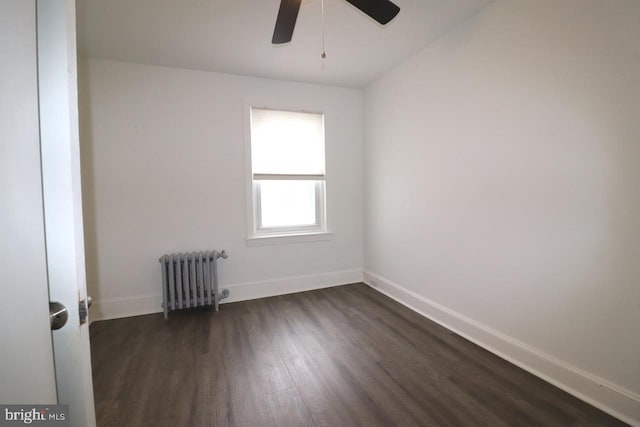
191 280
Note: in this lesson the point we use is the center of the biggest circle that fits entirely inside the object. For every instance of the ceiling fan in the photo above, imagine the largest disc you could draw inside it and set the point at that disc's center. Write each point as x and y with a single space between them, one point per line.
382 11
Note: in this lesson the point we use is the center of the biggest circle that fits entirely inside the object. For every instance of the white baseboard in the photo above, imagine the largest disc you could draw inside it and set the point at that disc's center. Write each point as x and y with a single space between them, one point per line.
146 304
116 308
289 285
611 398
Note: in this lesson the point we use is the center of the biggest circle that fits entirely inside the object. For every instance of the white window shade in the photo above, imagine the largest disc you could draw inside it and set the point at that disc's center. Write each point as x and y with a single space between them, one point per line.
287 143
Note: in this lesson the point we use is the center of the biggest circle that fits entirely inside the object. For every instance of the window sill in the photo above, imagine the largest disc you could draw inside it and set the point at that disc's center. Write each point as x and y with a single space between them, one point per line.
289 238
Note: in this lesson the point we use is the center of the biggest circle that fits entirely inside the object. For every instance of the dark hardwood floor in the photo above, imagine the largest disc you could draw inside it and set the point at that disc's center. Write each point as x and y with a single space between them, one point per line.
334 357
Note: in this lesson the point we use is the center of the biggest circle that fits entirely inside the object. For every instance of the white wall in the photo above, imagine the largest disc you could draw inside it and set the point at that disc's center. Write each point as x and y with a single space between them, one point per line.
164 171
502 189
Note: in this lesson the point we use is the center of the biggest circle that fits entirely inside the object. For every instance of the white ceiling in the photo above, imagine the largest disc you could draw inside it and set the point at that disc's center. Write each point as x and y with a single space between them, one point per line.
234 36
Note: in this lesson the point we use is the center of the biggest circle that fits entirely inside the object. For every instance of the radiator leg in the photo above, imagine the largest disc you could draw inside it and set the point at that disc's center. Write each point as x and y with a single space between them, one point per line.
163 265
215 281
220 296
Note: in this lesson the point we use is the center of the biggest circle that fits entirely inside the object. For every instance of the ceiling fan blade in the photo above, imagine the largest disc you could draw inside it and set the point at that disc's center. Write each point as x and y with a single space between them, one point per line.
382 11
286 21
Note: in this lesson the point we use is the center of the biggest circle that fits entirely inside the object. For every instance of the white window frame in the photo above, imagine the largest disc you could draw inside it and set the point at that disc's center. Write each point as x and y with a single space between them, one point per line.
318 227
259 235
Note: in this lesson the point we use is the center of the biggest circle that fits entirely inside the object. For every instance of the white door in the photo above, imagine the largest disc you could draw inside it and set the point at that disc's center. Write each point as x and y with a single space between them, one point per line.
41 217
60 149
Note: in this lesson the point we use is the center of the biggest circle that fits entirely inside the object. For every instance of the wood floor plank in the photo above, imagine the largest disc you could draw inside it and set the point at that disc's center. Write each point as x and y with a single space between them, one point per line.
342 356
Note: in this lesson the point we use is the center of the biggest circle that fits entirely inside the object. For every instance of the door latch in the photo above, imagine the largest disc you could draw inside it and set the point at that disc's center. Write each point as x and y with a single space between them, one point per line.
83 309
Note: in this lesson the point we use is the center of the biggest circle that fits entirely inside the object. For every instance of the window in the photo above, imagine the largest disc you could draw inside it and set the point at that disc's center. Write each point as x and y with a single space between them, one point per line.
288 175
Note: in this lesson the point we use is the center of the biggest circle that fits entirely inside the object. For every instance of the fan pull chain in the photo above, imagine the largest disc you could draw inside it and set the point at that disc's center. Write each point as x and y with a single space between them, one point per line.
323 55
